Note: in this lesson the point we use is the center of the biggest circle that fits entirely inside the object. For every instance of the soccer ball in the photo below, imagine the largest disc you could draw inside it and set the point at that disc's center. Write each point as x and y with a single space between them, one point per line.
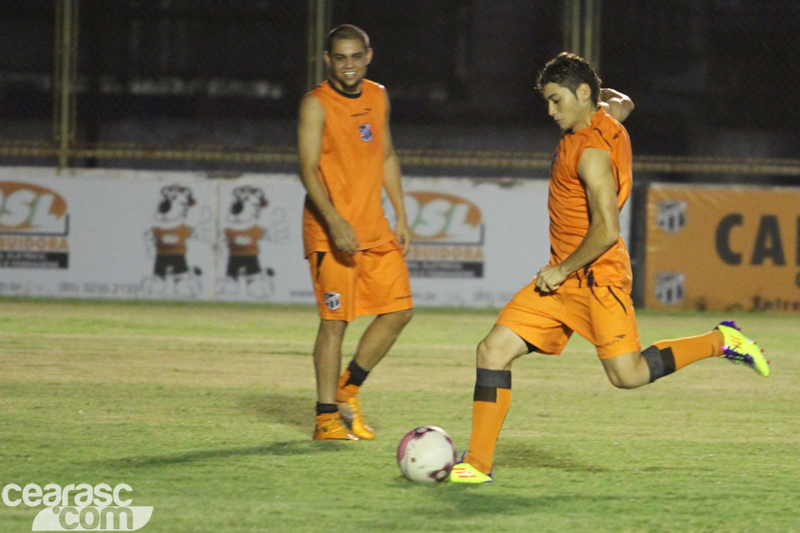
426 454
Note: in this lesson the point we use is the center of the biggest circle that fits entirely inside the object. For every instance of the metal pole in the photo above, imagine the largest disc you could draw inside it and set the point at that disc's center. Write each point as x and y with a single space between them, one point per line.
57 84
592 32
319 19
571 27
588 16
64 76
582 29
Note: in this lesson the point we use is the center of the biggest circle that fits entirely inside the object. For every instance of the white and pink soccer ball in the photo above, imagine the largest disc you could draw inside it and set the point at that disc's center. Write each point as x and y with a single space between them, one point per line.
426 454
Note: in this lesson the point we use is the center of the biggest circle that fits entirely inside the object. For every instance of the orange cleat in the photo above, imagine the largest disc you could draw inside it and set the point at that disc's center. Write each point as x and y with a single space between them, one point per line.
330 427
350 409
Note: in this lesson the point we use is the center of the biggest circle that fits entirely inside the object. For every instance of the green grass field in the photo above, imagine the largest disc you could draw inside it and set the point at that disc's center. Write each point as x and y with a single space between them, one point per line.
206 411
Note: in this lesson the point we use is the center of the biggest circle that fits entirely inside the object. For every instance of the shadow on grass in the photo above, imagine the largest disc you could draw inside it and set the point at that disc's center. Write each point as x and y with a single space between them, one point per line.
299 447
467 501
289 351
290 409
520 455
474 503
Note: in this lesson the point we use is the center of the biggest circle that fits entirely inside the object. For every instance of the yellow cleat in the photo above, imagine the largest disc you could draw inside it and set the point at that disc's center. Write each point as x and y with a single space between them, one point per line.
466 473
330 427
350 410
739 349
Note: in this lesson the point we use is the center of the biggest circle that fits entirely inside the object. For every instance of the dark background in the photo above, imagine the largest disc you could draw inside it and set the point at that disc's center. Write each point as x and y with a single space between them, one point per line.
709 78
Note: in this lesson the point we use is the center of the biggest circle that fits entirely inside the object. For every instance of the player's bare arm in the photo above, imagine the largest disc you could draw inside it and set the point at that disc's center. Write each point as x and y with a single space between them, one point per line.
616 104
594 169
309 142
393 184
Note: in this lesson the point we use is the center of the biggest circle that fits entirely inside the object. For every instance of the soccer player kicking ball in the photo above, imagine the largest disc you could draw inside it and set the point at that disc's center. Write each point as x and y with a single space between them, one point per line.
357 267
586 285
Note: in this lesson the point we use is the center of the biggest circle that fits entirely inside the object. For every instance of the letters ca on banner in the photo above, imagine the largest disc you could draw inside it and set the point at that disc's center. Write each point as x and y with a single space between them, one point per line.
723 248
34 227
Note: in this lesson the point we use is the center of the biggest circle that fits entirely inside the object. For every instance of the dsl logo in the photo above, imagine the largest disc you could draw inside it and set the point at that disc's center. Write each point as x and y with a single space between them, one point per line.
29 208
443 218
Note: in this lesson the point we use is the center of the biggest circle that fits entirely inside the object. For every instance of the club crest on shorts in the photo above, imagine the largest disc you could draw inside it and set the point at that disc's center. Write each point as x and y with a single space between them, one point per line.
366 132
333 300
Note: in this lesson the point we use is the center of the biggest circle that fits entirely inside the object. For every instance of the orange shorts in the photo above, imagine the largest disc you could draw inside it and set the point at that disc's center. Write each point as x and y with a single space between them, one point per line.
369 282
602 315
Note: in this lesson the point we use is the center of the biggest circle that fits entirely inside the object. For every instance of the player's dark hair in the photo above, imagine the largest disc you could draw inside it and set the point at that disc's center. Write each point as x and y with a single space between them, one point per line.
346 31
569 70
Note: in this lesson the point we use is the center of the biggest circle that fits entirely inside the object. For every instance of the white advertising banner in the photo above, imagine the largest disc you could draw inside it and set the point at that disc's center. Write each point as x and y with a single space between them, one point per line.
161 235
475 242
187 235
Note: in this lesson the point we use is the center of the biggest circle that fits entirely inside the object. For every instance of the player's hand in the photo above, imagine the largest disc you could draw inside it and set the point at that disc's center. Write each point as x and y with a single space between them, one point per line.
403 235
549 278
343 235
618 105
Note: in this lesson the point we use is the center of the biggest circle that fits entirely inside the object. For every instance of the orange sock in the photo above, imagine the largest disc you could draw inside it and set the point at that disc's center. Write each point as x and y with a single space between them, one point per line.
690 349
490 405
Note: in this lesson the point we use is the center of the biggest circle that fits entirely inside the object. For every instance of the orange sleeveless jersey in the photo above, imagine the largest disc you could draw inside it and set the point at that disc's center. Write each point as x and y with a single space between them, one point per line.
351 166
569 215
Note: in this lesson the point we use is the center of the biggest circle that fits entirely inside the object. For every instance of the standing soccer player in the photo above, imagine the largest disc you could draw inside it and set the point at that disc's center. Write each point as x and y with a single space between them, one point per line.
357 262
586 285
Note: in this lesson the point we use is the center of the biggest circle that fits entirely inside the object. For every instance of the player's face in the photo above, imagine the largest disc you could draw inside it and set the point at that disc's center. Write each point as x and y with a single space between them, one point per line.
564 106
347 63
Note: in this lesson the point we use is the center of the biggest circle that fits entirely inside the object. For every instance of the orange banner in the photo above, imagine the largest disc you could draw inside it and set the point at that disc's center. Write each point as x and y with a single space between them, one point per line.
723 248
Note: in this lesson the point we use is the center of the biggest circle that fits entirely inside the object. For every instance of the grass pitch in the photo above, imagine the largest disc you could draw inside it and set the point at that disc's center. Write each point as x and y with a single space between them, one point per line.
206 411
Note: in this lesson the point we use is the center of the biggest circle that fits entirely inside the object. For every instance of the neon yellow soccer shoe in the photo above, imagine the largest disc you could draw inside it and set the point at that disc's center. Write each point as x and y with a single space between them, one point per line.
740 350
466 473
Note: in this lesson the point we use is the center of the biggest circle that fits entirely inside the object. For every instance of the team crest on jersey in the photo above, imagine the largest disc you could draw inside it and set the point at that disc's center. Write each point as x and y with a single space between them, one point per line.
366 132
333 300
